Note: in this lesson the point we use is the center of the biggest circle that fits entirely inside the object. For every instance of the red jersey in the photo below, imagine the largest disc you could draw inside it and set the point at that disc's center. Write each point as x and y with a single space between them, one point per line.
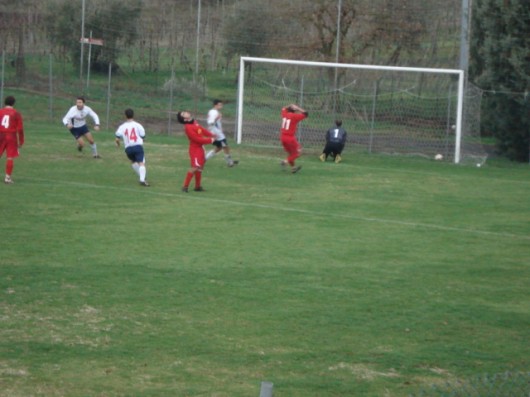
290 121
197 135
11 123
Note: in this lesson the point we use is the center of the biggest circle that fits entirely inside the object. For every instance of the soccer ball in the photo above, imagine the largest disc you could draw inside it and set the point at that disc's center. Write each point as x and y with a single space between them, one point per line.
438 157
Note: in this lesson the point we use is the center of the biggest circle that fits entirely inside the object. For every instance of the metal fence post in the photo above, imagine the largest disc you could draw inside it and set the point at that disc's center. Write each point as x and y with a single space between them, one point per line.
108 94
2 77
266 389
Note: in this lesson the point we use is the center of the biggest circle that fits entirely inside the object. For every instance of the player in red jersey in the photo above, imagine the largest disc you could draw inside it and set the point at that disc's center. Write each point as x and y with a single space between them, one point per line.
291 116
198 136
11 135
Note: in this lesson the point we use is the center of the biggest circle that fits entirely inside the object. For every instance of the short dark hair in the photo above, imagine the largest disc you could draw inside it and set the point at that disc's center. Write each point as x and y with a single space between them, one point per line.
180 118
10 100
217 101
290 109
82 98
129 113
338 123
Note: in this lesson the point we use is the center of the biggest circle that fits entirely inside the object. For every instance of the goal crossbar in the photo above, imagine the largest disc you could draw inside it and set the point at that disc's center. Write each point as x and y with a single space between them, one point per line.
457 72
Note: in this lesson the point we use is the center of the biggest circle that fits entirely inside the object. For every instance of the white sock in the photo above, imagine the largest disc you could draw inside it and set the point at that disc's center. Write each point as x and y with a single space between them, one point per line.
142 172
136 168
210 154
94 149
228 159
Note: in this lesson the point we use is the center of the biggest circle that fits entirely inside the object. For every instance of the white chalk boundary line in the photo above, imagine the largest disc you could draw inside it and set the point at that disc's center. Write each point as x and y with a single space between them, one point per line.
192 196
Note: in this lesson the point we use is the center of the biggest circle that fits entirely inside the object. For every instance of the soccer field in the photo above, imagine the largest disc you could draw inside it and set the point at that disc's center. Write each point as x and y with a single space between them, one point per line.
378 276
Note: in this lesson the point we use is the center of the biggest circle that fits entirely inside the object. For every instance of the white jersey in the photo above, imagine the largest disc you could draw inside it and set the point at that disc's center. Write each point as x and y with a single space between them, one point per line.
78 117
215 124
132 133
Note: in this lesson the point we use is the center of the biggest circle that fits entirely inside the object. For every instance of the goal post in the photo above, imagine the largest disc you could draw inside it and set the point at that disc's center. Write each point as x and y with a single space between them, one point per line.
390 109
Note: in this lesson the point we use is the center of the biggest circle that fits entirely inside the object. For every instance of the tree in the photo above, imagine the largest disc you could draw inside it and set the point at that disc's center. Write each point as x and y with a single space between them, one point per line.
376 32
16 19
103 24
249 30
63 27
398 27
500 64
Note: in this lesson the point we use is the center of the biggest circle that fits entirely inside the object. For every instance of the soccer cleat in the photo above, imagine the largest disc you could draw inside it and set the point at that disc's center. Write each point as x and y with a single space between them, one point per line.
198 189
232 163
294 170
79 148
322 157
185 189
97 156
144 183
8 180
338 159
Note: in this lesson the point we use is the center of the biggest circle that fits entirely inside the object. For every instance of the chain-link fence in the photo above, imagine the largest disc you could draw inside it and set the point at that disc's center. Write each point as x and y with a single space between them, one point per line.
385 109
51 86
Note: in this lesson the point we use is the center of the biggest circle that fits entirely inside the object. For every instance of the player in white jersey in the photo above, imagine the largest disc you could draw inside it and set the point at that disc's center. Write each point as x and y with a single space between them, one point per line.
215 125
75 121
132 134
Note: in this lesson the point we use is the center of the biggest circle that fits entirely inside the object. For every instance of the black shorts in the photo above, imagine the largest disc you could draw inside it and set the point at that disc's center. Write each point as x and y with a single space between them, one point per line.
334 147
220 144
135 153
78 132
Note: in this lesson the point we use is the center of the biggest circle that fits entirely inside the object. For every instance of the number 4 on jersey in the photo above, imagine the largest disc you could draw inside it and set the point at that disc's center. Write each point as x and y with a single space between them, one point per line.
5 121
131 136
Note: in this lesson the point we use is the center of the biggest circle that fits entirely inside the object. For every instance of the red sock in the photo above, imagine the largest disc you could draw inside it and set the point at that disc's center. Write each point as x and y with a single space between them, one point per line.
9 166
187 181
292 157
198 177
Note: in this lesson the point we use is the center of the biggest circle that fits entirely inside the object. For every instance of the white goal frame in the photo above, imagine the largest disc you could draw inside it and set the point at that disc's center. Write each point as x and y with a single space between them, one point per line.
457 72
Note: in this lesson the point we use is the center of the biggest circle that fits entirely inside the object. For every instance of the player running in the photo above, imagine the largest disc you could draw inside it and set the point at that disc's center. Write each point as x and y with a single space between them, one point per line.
215 125
198 137
133 133
11 135
75 121
291 116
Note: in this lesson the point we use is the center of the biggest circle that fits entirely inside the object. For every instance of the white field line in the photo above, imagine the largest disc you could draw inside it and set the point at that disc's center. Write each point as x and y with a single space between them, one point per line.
192 196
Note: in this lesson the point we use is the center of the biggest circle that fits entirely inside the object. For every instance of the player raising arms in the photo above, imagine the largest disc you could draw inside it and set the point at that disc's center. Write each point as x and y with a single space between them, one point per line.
198 137
291 116
75 121
11 135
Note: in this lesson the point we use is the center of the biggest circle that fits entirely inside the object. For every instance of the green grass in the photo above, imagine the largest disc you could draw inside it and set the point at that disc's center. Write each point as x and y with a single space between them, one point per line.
379 276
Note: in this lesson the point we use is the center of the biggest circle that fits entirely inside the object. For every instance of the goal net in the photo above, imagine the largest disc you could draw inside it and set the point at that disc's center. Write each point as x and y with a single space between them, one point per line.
384 109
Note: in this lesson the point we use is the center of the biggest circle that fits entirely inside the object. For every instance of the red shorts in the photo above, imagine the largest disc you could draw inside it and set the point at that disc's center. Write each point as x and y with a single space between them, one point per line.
291 145
197 158
9 144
